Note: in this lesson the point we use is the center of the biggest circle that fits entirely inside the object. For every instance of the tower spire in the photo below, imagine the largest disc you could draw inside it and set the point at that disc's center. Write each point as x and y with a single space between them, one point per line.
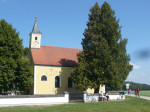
35 27
35 36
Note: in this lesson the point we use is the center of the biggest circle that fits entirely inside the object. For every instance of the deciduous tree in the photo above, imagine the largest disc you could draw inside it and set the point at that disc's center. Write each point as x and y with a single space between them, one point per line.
11 58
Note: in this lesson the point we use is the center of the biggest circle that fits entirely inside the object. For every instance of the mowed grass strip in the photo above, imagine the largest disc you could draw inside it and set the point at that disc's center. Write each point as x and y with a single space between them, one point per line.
145 93
131 104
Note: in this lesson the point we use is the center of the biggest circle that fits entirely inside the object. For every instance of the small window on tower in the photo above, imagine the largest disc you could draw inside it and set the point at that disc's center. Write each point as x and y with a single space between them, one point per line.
35 38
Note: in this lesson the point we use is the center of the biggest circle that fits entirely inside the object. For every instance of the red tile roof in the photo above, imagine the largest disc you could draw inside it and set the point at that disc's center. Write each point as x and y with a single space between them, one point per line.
55 56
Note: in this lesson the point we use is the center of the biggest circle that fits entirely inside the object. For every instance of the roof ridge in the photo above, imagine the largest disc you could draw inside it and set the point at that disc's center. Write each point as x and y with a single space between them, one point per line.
60 47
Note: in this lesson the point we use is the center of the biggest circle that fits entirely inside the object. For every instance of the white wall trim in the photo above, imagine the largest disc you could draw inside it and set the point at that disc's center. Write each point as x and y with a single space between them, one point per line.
5 102
95 97
34 79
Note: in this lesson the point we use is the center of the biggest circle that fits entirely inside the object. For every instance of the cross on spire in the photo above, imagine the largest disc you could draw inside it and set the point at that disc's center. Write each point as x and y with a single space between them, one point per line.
35 18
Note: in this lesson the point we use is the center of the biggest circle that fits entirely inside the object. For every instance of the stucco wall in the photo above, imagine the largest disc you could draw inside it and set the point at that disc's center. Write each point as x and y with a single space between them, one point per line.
48 87
102 88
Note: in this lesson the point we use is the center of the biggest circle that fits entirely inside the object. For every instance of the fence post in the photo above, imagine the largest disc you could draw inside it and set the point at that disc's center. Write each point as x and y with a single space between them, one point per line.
84 96
66 94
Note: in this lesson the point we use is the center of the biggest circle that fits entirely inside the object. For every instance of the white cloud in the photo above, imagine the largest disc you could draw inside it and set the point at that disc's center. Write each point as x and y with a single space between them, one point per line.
143 75
132 76
139 78
135 66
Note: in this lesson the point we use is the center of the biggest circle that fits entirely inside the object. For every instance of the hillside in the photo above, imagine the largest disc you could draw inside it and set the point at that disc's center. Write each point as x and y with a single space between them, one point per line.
134 85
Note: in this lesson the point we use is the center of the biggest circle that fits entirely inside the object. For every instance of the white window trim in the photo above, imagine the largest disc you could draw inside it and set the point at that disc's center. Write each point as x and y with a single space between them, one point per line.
72 83
59 83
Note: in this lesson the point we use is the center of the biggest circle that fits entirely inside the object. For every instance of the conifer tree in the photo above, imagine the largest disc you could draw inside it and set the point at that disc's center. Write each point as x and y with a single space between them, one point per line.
118 67
103 60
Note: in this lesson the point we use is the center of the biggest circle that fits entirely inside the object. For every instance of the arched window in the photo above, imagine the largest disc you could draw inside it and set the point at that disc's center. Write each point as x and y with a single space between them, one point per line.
43 78
35 38
70 83
57 82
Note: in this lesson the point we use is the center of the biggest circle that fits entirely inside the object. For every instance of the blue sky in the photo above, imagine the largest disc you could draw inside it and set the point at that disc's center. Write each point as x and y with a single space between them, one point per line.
62 23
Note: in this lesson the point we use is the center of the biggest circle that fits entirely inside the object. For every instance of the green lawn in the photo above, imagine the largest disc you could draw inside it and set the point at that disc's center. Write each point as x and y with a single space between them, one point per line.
145 93
131 104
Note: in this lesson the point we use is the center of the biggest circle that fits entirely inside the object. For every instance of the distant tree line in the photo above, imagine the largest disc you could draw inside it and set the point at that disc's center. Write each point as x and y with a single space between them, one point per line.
133 86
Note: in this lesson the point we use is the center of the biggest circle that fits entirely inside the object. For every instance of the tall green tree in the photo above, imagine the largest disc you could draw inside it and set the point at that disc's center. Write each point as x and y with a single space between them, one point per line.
24 75
11 49
119 67
24 72
11 52
104 59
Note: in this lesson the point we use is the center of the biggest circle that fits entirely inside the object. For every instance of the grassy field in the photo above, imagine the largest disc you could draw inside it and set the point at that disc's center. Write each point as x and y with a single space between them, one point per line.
145 93
131 104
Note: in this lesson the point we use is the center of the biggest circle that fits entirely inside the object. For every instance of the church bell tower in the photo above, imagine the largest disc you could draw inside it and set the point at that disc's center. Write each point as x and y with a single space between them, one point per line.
35 36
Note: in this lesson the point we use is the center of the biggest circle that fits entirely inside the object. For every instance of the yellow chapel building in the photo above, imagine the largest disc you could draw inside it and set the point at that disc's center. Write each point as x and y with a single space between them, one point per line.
52 67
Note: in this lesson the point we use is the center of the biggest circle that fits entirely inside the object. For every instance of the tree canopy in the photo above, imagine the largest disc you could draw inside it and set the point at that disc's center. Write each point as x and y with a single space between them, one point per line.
104 59
11 58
